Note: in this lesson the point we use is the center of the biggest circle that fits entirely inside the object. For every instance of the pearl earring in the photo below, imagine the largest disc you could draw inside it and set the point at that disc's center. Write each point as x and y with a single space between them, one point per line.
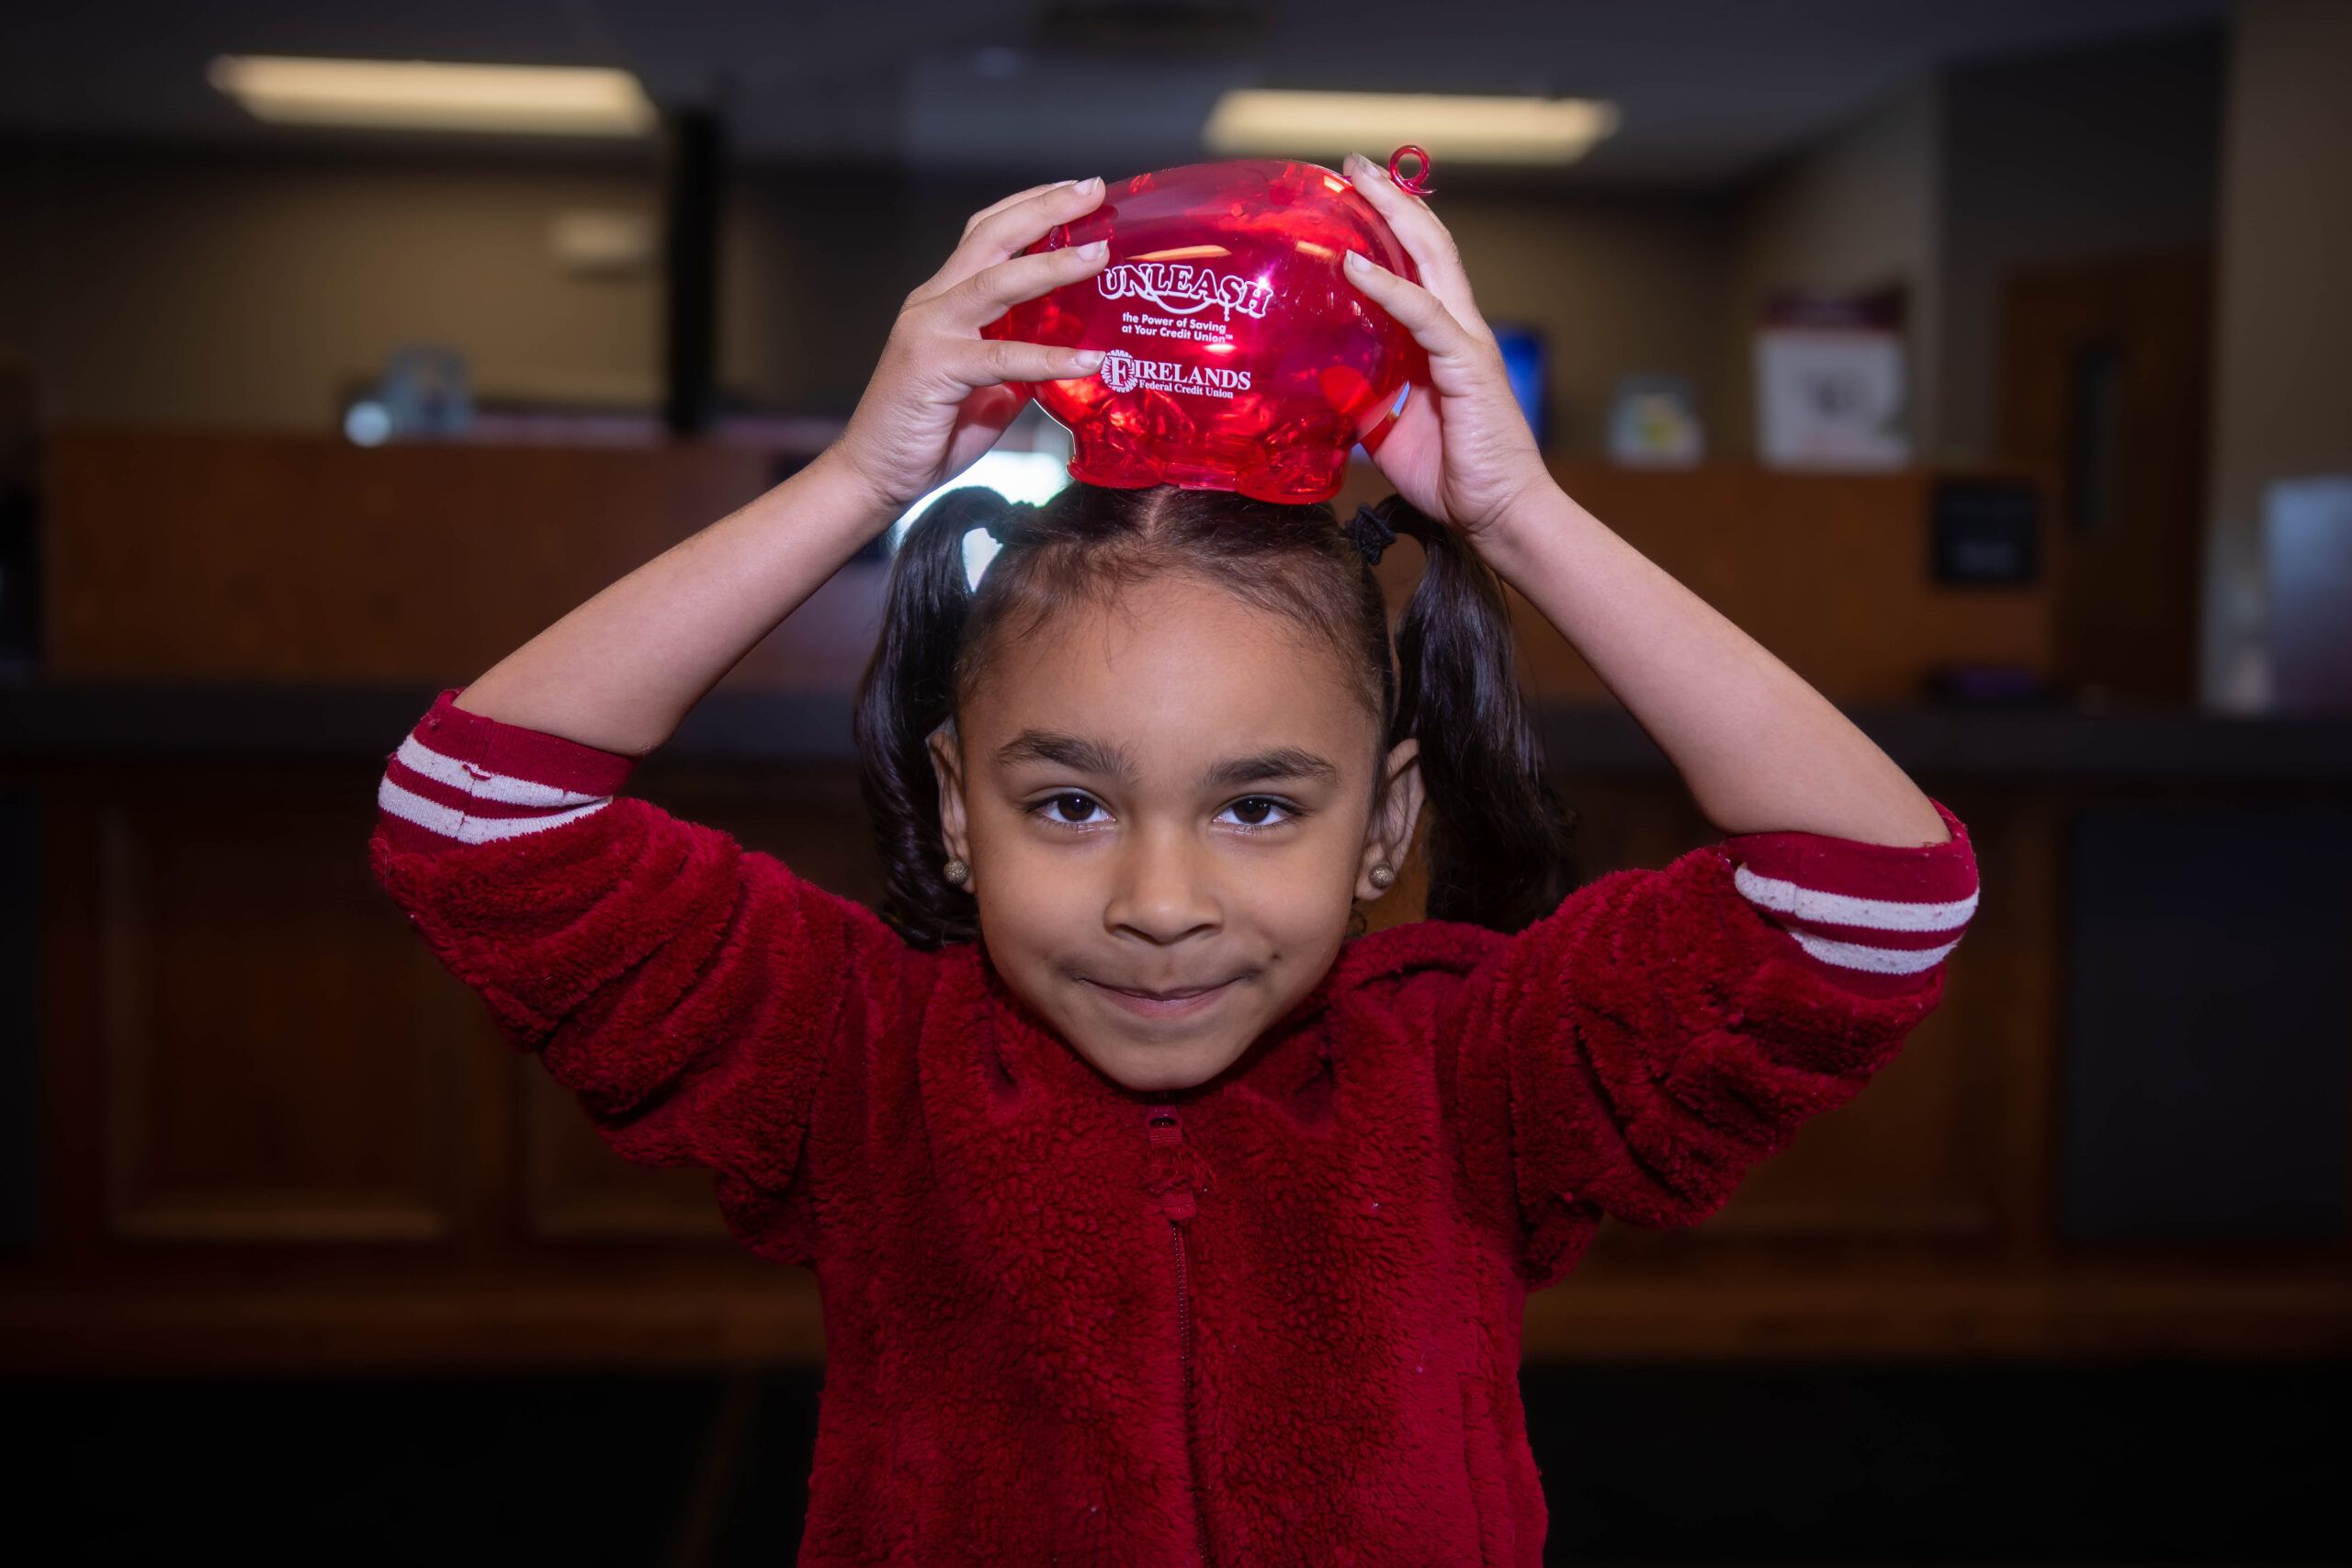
955 871
1382 877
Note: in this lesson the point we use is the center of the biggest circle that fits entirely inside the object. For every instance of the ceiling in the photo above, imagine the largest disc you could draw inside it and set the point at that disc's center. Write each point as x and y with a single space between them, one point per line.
1709 89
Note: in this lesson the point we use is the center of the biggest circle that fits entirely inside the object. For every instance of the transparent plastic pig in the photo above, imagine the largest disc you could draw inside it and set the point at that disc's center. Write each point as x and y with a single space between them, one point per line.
1238 356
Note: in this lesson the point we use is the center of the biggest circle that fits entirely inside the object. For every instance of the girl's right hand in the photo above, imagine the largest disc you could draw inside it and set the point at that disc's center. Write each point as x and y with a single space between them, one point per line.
937 401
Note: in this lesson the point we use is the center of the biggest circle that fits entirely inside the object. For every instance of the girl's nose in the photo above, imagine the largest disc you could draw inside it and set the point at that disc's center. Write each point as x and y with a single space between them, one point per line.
1162 889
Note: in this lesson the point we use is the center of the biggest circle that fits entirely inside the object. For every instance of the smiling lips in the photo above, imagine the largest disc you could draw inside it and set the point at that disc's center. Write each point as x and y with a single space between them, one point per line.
1181 1003
1177 995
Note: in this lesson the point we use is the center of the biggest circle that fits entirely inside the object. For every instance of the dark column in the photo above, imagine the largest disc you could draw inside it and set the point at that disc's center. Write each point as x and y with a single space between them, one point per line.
693 171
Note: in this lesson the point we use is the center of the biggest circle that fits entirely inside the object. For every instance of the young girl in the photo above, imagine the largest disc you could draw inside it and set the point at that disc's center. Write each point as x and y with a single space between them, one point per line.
1157 1219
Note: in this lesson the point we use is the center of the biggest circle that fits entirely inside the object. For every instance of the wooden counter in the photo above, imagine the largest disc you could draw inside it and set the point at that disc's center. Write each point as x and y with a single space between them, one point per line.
274 1133
188 555
261 1126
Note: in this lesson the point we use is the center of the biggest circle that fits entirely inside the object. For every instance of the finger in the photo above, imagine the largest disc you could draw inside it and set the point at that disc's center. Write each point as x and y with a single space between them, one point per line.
1424 236
989 361
1010 228
990 292
976 218
1418 309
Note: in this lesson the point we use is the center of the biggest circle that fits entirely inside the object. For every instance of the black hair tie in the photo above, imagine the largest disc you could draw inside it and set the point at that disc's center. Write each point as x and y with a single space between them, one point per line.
1016 513
1371 533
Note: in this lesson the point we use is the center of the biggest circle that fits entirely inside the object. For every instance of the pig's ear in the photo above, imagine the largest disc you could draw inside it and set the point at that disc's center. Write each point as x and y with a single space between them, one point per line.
1380 429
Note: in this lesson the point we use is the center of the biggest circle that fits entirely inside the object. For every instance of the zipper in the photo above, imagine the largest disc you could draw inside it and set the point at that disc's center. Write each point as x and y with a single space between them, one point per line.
1173 1171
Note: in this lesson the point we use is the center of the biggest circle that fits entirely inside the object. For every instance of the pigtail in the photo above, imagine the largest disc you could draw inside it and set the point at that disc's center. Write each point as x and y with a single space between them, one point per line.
908 691
1500 842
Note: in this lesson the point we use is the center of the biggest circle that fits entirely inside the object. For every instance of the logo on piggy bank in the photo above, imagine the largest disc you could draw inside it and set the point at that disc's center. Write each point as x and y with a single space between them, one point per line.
1123 372
1180 289
1238 356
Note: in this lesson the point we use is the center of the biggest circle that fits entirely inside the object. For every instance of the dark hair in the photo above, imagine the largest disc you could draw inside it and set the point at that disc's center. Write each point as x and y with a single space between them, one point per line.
1499 840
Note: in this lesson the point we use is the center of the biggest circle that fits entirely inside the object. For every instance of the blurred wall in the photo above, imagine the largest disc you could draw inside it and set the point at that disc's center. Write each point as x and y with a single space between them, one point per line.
2283 349
1855 210
2085 156
1620 286
1955 186
181 287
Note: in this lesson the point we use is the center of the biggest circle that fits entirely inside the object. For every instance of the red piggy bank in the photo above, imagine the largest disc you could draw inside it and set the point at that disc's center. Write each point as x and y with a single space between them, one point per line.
1237 355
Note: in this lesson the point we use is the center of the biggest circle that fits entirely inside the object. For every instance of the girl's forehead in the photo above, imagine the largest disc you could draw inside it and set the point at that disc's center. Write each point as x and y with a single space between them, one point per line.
1162 671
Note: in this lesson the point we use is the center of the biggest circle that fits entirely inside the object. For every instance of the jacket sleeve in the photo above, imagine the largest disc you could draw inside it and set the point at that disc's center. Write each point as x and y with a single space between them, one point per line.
689 993
1637 1051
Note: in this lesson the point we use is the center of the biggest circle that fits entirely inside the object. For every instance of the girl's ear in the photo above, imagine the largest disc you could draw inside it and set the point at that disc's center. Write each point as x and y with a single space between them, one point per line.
947 766
1392 826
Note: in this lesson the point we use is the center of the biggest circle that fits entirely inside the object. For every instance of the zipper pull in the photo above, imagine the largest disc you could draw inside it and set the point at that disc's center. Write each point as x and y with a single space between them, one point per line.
1175 1171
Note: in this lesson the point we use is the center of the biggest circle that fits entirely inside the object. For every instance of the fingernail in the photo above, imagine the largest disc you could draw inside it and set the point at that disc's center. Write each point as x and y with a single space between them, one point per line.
1094 250
1355 263
1090 184
1090 357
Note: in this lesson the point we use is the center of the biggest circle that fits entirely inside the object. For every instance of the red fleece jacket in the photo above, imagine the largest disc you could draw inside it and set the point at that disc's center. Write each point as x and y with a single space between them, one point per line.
1273 1321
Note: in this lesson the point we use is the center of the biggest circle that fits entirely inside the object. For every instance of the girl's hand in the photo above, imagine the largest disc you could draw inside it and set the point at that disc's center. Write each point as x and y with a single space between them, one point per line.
937 401
1462 451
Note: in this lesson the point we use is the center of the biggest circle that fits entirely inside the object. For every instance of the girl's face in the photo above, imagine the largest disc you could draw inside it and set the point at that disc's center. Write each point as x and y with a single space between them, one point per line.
1163 795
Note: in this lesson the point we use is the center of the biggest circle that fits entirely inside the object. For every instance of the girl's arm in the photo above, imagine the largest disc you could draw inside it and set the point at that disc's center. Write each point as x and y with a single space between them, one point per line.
1759 748
702 1000
698 999
1637 1051
621 671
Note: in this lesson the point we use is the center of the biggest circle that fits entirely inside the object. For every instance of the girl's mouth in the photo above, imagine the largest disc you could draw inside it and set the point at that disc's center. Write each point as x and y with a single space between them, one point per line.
1165 1004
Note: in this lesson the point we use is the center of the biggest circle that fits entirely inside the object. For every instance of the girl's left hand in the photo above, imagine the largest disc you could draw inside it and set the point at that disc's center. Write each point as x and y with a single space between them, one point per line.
1462 451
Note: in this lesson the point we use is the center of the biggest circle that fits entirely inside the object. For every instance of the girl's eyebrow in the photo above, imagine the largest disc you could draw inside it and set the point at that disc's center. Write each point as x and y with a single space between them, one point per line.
1282 763
1092 757
1068 751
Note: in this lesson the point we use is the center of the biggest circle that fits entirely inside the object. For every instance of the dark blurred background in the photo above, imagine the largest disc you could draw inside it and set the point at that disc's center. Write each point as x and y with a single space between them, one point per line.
1986 362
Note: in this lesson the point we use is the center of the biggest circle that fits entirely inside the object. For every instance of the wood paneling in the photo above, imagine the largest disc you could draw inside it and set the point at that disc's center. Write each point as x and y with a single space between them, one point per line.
277 1067
186 554
278 1134
304 558
1829 571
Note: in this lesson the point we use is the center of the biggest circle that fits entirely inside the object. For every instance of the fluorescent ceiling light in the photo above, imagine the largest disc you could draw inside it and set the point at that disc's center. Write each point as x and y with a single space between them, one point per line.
1454 127
422 94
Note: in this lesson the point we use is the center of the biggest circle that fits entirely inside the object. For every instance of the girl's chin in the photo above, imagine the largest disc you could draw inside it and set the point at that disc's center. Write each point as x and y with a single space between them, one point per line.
1160 1069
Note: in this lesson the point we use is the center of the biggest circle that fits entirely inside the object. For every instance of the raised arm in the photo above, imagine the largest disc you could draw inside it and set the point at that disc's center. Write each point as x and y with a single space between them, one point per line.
1759 748
1636 1052
693 995
621 671
696 997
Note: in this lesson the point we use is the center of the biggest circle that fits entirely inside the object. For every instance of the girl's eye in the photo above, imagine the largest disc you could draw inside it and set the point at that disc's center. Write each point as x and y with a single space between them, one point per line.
1053 806
1253 810
1073 809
